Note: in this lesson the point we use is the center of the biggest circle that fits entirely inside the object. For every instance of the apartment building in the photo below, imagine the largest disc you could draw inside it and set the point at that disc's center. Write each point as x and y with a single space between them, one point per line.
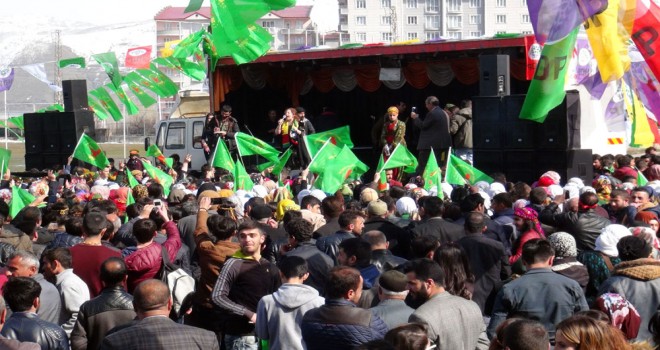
398 20
291 28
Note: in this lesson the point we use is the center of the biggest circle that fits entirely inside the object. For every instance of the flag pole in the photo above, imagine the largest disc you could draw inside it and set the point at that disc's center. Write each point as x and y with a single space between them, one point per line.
319 151
447 164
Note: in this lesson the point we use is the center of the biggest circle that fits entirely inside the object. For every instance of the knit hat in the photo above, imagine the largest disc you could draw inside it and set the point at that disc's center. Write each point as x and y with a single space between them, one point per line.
394 281
622 313
368 195
564 244
610 235
260 212
377 208
633 248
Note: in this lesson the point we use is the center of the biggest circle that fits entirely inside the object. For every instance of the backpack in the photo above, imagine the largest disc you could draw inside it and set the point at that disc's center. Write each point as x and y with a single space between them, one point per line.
180 284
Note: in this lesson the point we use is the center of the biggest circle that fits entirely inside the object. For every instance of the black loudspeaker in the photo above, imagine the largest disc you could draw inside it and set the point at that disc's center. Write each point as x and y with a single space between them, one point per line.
529 165
43 161
496 124
74 93
56 132
494 75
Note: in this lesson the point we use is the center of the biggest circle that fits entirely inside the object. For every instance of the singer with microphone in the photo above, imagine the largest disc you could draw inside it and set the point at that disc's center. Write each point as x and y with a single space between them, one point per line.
222 129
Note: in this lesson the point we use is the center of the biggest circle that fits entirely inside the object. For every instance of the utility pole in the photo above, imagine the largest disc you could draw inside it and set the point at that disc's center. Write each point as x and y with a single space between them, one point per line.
393 24
58 72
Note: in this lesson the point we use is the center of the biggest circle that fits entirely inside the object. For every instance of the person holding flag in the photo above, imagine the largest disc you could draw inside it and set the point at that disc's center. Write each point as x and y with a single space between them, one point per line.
392 134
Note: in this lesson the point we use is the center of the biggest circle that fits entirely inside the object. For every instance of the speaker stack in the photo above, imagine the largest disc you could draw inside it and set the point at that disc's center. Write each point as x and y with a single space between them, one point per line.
51 137
522 149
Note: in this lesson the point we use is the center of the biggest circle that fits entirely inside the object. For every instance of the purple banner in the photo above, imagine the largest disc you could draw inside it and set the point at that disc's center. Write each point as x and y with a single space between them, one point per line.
553 20
645 87
6 78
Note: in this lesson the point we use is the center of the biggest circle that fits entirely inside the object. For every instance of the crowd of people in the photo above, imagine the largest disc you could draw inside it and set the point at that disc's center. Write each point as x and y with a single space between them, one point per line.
505 265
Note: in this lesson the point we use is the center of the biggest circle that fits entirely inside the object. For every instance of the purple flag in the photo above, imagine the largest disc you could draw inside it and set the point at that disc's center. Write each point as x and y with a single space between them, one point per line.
615 114
645 86
6 78
594 84
553 20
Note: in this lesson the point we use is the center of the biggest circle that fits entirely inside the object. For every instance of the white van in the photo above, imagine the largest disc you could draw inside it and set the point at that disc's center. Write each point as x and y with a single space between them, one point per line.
182 132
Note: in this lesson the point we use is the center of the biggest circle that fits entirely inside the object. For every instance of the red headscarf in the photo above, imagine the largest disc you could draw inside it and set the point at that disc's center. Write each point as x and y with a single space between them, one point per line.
530 214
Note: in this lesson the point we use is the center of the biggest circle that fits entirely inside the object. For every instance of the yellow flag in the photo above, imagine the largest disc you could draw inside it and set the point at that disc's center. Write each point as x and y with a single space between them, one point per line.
609 42
168 50
641 134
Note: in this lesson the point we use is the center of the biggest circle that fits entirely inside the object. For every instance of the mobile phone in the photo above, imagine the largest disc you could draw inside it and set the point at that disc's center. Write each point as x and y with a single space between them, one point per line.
157 203
414 109
216 201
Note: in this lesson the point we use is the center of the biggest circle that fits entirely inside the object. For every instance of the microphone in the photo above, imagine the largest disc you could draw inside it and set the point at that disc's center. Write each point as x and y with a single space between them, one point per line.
284 117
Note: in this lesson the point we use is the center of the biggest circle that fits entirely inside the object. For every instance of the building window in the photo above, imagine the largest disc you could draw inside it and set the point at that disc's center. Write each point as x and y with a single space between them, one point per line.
362 37
386 36
500 3
455 35
268 24
411 4
432 22
432 6
412 36
386 3
525 18
475 3
385 20
361 4
299 24
454 22
412 20
475 19
454 5
475 34
500 19
361 20
432 35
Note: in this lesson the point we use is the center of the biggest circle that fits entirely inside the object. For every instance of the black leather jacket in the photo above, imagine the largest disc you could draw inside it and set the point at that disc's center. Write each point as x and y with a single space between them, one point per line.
384 260
112 308
26 326
585 226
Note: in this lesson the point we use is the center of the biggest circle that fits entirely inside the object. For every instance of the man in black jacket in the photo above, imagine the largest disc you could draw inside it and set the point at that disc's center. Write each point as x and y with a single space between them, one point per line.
113 307
302 245
585 225
434 133
377 213
488 260
22 295
434 225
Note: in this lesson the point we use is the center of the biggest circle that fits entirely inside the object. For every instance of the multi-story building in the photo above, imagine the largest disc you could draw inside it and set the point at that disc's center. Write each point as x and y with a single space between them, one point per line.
398 20
291 28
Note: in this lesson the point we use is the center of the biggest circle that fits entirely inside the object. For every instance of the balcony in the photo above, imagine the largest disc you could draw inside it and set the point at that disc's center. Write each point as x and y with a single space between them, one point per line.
287 31
454 10
343 27
175 32
343 11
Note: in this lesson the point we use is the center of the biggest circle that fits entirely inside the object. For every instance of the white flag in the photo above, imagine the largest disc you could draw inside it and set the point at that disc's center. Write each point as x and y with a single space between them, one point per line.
38 71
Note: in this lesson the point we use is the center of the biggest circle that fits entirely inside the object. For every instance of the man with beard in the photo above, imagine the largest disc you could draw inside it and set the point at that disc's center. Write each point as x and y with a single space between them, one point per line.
466 330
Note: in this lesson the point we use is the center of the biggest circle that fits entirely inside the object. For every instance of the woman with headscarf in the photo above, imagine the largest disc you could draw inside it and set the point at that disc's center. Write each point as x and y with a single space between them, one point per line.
565 262
601 261
650 218
527 222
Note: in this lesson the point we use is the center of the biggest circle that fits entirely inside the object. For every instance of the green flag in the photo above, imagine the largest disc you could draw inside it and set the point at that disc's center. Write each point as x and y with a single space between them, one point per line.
145 99
97 108
382 182
193 6
187 47
221 157
159 176
338 137
160 80
335 174
249 145
76 62
129 198
135 79
191 69
154 151
107 102
246 49
5 157
131 108
277 169
459 172
432 175
88 151
110 65
242 180
325 156
132 182
20 199
51 108
401 157
209 49
18 122
546 90
641 179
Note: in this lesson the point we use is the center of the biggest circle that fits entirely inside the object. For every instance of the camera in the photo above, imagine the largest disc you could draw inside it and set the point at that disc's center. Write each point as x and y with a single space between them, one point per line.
217 201
414 109
157 203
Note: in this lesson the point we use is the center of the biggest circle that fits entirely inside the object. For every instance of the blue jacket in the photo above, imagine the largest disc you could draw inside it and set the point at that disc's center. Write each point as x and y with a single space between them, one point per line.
339 324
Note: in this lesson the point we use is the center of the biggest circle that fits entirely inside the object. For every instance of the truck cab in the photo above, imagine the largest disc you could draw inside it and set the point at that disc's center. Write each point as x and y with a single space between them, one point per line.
182 132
